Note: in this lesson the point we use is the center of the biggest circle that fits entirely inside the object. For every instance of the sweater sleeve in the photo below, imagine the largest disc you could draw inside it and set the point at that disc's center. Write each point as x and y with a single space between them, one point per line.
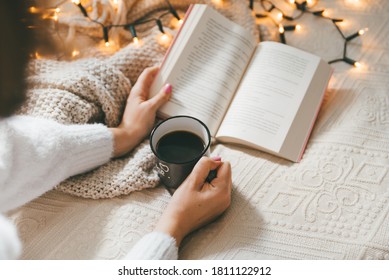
154 246
10 247
37 154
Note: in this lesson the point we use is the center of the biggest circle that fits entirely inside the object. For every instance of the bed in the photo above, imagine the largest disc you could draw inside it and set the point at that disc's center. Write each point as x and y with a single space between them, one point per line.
334 204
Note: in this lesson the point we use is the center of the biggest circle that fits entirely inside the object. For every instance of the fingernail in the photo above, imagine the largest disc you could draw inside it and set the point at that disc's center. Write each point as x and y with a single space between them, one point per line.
168 88
216 158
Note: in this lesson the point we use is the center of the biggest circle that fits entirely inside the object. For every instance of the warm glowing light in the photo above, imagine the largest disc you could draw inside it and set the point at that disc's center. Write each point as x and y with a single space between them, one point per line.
326 13
136 40
55 17
310 2
218 2
75 53
107 44
164 39
33 10
298 27
280 16
363 31
292 1
76 2
176 23
281 28
37 55
357 64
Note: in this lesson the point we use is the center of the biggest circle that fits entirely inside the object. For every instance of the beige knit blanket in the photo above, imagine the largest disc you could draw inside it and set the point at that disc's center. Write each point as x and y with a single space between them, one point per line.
94 87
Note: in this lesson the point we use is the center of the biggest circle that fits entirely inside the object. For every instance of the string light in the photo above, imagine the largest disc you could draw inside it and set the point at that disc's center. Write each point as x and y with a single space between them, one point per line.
310 3
363 31
303 8
281 30
33 10
37 55
136 41
218 2
75 53
164 38
175 23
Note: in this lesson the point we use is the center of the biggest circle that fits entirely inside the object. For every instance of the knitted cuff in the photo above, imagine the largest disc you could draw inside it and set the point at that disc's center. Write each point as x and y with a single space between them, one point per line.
87 146
154 246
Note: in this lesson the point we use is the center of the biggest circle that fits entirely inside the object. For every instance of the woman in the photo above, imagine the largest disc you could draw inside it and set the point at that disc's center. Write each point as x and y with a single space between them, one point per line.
33 149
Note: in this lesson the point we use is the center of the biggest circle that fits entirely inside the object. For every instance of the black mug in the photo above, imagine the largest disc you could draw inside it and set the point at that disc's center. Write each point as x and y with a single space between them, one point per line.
178 143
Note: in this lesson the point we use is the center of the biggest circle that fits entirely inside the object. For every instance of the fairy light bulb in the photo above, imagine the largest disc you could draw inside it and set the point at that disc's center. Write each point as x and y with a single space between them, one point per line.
280 16
76 2
107 44
175 23
115 4
310 2
357 64
363 31
218 2
292 1
298 27
136 41
326 13
164 39
281 29
33 10
75 53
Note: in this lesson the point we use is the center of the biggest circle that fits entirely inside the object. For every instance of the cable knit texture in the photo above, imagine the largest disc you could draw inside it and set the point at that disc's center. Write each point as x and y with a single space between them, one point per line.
94 89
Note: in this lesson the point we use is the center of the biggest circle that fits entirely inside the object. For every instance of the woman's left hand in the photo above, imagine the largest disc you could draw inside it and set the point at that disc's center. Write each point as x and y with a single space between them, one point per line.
139 114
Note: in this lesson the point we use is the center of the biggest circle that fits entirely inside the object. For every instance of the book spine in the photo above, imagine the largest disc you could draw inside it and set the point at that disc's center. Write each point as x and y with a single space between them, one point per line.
314 120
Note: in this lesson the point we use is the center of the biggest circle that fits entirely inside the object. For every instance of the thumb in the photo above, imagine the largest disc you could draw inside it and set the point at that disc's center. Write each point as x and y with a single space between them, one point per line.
201 170
161 98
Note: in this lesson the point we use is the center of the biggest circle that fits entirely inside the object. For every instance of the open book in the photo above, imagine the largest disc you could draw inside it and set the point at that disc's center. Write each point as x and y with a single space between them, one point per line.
265 96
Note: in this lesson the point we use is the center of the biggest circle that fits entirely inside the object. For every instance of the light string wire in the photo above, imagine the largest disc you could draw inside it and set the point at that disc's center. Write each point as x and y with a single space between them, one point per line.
53 14
302 8
268 7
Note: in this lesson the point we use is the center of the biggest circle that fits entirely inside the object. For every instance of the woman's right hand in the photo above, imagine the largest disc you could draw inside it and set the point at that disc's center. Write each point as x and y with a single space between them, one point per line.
197 202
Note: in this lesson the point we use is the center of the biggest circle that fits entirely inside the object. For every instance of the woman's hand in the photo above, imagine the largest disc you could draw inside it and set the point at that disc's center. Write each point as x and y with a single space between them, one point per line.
139 114
196 202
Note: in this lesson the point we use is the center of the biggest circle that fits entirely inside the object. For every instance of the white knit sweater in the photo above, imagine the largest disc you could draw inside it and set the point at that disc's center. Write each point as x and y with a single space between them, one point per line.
36 154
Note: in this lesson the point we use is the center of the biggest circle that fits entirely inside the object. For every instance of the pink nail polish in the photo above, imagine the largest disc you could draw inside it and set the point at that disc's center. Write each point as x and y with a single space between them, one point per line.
216 158
168 88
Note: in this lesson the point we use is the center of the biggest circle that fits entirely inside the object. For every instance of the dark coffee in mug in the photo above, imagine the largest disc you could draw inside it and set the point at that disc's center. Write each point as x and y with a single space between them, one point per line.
178 143
179 146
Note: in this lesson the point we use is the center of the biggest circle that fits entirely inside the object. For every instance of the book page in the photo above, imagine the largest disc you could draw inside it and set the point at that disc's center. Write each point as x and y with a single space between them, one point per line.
269 95
209 68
